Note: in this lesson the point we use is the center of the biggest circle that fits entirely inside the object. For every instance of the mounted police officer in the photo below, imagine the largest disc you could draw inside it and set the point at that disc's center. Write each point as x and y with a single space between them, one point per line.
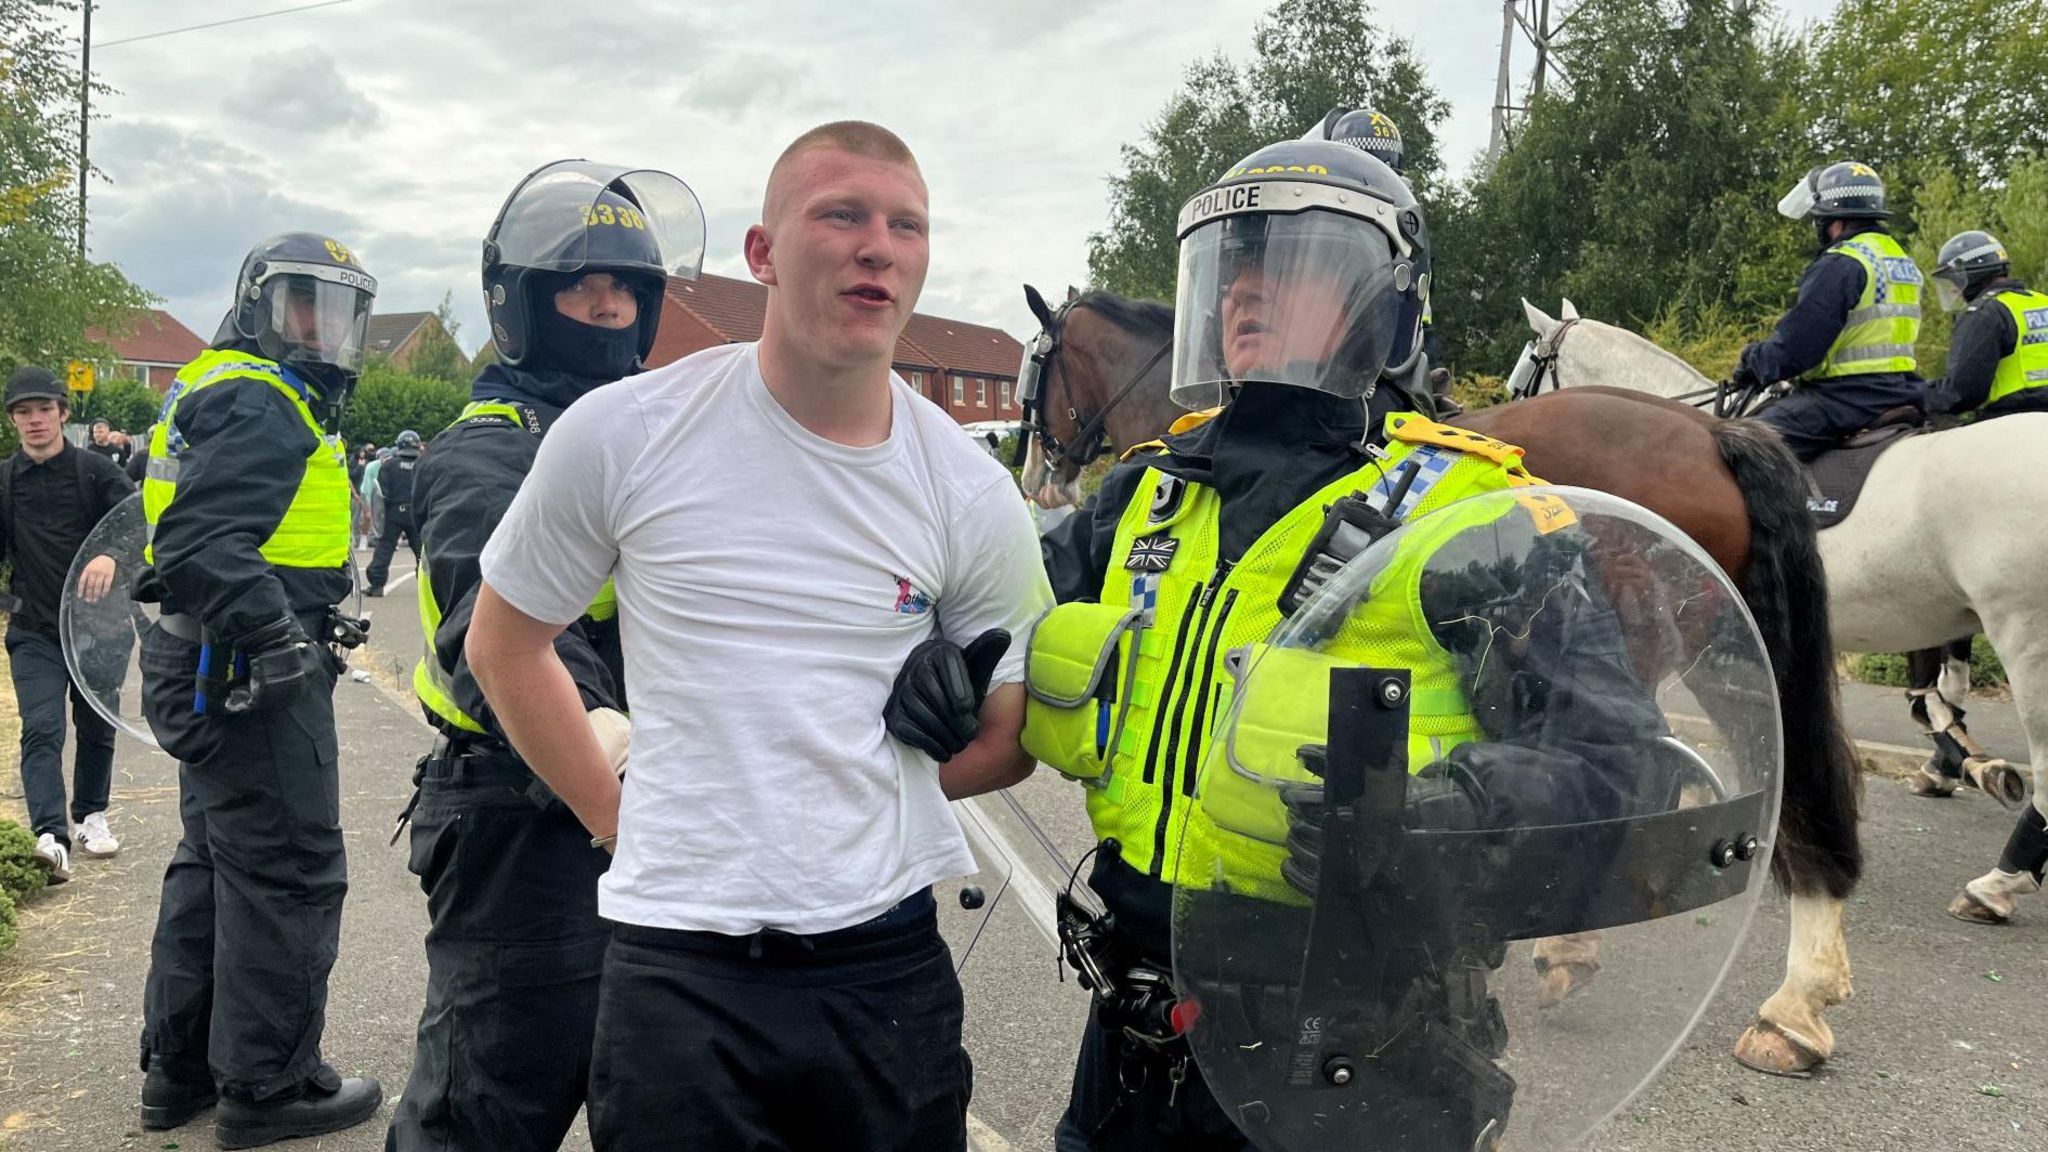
1303 273
1848 340
1998 351
247 500
573 273
395 479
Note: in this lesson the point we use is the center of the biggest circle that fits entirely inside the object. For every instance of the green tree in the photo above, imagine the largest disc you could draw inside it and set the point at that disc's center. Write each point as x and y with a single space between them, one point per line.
1308 56
438 354
123 402
387 402
1643 186
53 294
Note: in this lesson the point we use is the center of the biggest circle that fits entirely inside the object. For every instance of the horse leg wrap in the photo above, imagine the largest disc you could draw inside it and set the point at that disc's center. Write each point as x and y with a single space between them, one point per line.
2027 850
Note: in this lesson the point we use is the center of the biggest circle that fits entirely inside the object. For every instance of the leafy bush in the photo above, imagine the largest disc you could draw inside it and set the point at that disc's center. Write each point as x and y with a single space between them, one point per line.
9 933
20 876
387 401
126 403
1888 669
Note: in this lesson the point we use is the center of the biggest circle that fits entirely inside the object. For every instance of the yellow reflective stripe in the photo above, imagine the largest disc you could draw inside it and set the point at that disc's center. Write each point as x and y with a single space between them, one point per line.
434 687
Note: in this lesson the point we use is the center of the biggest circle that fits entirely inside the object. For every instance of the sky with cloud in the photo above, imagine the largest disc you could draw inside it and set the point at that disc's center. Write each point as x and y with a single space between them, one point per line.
400 125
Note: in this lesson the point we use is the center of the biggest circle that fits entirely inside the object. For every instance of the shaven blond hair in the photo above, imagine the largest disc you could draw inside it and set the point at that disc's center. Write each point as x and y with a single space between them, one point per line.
857 137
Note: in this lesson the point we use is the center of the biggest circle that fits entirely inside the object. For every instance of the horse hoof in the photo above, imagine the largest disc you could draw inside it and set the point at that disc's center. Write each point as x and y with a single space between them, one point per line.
1764 1047
1562 981
1931 784
1997 779
1971 910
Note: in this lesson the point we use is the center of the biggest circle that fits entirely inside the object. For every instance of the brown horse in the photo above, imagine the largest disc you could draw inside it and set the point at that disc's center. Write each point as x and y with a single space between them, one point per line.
1730 485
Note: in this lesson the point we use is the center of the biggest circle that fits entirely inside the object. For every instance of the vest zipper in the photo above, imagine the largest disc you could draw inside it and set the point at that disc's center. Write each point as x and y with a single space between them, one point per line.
1193 761
1206 600
1180 641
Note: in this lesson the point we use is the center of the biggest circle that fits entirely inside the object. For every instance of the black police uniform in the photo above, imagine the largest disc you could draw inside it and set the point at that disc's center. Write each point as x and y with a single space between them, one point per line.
1817 416
1271 449
396 479
1984 334
250 916
516 946
46 511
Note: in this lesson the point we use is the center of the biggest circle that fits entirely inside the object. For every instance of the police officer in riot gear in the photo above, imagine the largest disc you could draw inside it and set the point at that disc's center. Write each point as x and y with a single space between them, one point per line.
574 271
1302 278
1848 340
394 487
1998 350
246 495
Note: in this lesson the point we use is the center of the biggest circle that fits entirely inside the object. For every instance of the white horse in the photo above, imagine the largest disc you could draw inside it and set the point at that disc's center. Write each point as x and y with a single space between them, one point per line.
1943 542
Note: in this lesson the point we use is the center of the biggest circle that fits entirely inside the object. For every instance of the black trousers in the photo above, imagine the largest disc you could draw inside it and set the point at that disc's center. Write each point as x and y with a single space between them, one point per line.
1815 417
514 952
387 546
779 1043
250 916
41 685
1125 1098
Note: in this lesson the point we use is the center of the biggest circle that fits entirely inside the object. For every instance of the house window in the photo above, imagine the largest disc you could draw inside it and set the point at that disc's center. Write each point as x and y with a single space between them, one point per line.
917 382
141 373
1003 391
980 392
959 390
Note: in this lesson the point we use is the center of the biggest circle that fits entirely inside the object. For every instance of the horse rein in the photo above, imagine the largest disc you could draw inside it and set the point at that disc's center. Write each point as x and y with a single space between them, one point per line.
1086 444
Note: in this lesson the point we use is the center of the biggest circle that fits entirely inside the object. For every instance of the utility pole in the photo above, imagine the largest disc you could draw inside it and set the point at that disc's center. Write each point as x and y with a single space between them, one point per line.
1528 20
84 120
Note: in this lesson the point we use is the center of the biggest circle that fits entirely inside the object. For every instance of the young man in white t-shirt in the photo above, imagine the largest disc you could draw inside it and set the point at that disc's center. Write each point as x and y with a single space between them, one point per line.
817 577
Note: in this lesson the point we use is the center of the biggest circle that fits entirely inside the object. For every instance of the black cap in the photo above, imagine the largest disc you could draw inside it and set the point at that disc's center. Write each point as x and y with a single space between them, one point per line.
35 382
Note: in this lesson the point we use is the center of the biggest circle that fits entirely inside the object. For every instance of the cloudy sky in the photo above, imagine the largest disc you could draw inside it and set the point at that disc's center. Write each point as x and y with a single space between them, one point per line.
400 125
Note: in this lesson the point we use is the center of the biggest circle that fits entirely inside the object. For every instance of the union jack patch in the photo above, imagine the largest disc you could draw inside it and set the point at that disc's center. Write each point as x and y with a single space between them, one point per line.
1152 553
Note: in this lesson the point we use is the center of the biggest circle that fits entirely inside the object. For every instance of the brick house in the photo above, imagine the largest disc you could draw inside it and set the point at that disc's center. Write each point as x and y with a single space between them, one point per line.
397 335
155 351
967 369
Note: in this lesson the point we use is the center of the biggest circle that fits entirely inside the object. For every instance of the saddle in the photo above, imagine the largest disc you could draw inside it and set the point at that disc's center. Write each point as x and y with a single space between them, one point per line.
1836 476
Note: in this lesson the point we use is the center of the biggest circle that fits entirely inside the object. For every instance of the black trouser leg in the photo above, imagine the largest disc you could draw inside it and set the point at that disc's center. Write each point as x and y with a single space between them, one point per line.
817 1044
262 859
387 546
92 768
40 687
514 954
1124 1098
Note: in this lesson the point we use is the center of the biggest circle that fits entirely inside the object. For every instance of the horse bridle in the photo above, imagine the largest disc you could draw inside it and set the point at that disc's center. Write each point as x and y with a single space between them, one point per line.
1543 353
1087 441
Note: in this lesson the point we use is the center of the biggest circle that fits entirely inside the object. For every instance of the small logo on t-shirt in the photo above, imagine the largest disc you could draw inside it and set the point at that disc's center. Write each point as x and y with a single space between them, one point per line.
909 600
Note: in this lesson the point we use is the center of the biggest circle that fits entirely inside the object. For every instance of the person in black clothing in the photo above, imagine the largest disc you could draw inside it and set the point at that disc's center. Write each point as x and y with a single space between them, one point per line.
1848 340
247 494
395 480
111 443
51 496
516 947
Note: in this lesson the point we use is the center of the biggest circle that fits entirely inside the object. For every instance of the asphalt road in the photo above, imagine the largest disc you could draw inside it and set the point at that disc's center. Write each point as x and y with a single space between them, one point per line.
1945 1045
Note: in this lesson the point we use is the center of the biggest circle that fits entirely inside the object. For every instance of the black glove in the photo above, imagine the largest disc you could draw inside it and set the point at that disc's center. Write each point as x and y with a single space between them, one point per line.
1743 373
1443 797
281 661
935 706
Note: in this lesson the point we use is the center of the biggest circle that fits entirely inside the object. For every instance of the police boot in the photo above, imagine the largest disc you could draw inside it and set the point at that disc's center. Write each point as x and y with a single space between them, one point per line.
326 1103
170 1102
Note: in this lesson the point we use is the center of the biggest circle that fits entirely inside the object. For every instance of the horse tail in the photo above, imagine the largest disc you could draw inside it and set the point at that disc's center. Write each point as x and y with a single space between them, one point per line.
1783 584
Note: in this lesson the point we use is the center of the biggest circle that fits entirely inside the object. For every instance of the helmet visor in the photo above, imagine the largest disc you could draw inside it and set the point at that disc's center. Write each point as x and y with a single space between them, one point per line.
1307 299
1948 290
317 320
575 216
1798 203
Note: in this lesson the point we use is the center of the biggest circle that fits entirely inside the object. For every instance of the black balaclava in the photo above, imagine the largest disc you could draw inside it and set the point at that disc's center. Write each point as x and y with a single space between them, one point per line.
571 347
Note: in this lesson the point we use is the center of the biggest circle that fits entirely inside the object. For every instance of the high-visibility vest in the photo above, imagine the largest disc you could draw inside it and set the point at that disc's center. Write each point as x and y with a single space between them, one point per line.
1880 330
2027 367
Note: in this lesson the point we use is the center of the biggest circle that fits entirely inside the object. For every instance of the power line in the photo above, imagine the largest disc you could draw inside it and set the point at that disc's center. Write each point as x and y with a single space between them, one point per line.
222 23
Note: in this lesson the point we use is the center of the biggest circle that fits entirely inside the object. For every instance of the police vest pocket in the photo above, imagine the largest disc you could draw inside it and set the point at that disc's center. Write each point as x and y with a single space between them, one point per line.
1077 675
1282 697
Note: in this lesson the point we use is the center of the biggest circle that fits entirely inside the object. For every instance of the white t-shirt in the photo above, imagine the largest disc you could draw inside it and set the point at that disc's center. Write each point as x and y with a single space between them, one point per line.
771 584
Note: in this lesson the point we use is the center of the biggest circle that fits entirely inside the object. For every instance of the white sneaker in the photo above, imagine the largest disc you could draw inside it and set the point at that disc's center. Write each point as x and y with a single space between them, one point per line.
94 838
53 857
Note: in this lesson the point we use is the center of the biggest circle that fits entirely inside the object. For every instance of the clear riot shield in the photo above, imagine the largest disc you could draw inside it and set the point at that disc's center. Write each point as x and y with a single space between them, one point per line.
102 624
1531 731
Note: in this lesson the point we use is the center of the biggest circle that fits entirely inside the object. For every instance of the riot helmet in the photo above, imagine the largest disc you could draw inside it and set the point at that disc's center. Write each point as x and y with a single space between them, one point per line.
1847 190
1968 262
408 441
572 218
304 301
1307 265
1365 129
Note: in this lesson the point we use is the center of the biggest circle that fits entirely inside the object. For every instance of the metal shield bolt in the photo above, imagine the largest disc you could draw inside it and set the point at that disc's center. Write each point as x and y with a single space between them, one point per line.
972 897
